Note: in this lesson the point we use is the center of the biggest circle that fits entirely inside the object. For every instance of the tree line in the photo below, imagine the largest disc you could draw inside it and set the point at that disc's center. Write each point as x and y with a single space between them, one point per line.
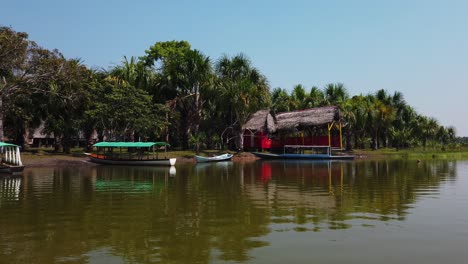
177 94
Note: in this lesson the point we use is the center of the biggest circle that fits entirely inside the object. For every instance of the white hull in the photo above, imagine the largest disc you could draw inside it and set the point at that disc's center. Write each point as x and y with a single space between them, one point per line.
223 157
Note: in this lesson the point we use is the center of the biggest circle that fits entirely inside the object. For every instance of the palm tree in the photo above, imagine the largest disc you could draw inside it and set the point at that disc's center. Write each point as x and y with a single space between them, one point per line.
192 77
451 133
298 97
400 137
243 90
442 135
360 116
347 111
135 73
336 93
428 127
316 98
280 100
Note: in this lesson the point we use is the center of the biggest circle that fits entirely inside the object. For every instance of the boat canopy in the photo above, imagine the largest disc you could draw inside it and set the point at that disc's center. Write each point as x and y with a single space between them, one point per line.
3 144
129 144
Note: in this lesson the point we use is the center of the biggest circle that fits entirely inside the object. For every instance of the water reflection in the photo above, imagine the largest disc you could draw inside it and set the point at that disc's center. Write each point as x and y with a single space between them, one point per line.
318 195
199 213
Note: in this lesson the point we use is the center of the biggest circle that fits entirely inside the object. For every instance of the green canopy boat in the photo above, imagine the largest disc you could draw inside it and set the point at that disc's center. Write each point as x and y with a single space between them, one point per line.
130 153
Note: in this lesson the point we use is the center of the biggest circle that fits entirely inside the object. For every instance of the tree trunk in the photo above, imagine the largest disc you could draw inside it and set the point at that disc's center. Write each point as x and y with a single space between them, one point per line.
101 136
375 142
167 127
348 140
198 113
385 141
356 137
186 136
58 144
240 140
26 131
194 116
66 145
88 133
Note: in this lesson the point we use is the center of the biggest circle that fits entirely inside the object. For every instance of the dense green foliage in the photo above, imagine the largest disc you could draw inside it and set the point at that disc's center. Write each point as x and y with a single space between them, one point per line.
175 93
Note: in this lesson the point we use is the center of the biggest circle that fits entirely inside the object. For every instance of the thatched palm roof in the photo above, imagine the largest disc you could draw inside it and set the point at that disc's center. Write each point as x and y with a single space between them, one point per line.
308 117
263 120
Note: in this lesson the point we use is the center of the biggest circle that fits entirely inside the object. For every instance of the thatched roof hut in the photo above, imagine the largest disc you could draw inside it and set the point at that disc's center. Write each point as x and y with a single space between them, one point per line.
264 120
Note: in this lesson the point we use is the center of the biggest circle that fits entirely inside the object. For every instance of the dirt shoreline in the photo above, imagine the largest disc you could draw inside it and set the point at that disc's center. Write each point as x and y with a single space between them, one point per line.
63 161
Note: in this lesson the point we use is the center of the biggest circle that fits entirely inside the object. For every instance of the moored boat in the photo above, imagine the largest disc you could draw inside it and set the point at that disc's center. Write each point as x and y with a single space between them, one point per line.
299 153
10 159
223 157
130 153
303 156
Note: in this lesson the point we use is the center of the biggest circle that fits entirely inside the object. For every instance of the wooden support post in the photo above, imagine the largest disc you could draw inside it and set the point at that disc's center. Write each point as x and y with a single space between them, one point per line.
330 190
330 126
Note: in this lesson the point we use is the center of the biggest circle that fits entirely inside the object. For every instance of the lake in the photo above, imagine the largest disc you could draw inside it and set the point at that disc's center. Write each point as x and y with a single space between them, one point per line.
229 212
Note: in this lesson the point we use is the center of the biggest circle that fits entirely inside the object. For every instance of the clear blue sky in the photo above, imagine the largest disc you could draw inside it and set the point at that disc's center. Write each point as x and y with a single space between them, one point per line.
419 48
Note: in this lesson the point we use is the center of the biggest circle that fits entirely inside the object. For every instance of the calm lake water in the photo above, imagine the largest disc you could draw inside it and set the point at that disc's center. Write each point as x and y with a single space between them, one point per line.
258 212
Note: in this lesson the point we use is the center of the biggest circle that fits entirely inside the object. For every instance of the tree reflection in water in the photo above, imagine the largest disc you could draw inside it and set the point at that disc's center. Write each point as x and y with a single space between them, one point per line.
201 213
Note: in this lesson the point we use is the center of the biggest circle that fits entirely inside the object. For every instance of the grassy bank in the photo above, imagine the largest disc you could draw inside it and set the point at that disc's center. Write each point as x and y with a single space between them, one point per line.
414 154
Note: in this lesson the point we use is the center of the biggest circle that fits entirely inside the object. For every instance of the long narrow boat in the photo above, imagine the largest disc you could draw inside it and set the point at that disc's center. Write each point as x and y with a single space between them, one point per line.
224 157
303 156
10 159
130 153
299 154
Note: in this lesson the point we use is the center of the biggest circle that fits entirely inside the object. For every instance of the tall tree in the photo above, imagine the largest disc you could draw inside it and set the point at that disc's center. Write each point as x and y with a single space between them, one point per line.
160 57
428 128
336 93
28 70
280 100
244 90
184 76
298 97
14 50
193 75
66 99
316 98
122 111
135 73
162 52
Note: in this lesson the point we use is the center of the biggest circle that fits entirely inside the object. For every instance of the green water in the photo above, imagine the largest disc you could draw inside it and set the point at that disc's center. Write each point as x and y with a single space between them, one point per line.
258 212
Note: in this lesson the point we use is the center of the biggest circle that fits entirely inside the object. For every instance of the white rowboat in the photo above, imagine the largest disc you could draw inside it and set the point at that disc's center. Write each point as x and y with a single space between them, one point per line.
223 157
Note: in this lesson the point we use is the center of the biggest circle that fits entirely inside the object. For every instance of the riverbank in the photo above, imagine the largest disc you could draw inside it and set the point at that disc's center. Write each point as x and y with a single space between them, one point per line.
39 159
55 160
50 159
